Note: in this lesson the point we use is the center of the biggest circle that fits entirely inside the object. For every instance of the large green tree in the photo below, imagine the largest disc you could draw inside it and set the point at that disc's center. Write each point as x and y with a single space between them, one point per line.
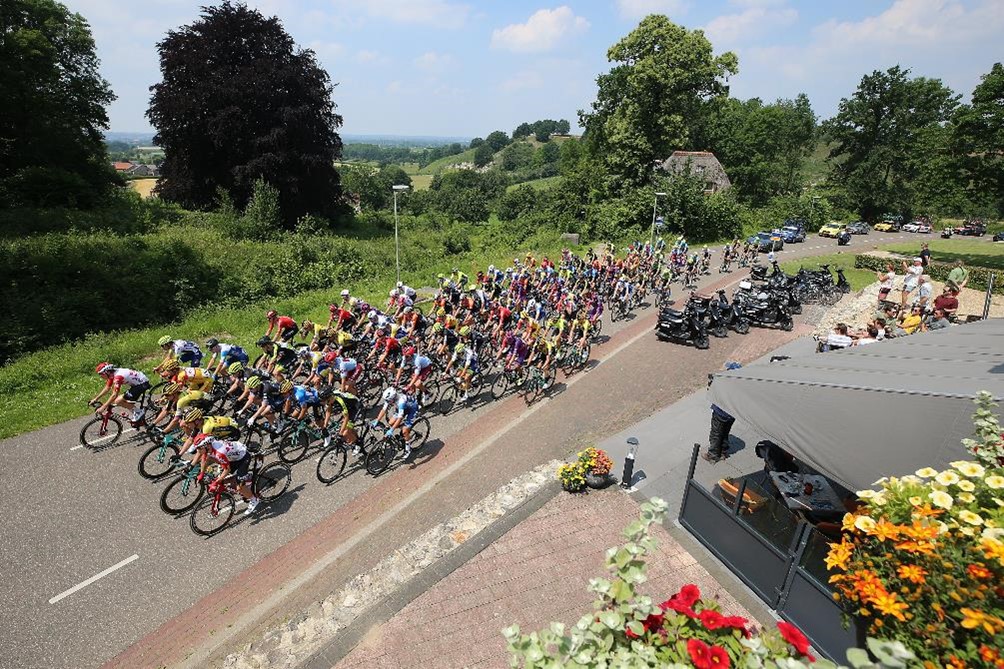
664 80
979 139
238 101
878 133
762 146
52 108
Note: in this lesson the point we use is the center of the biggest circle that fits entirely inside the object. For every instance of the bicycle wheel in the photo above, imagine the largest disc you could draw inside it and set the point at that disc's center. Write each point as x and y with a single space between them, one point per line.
420 432
447 399
272 481
293 446
96 433
500 385
180 495
381 455
157 461
211 516
331 464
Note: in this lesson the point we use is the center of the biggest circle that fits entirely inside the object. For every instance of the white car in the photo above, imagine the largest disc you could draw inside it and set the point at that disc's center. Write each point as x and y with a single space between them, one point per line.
917 226
910 227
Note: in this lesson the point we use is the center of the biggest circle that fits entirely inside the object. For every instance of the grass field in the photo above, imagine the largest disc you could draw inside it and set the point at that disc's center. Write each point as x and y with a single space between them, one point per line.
437 166
858 278
421 181
143 186
970 251
539 184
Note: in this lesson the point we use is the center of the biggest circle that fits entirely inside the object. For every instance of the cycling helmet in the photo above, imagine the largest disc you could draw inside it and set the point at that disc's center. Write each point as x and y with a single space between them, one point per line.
459 348
389 394
164 341
441 277
104 368
270 314
394 292
253 382
325 392
372 315
212 343
235 368
263 341
437 328
304 353
332 308
409 351
172 388
194 415
491 268
408 310
440 312
330 356
285 387
345 293
455 270
465 331
278 369
171 366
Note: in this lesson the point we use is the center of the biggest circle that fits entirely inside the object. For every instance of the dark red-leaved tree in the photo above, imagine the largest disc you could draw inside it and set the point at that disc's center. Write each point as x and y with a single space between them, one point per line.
238 102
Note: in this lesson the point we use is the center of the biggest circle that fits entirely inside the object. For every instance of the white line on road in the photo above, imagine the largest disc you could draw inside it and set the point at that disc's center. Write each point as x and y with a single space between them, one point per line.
98 441
84 584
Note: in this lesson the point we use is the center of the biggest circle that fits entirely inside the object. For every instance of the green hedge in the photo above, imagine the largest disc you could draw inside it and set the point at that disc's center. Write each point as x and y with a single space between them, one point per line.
979 277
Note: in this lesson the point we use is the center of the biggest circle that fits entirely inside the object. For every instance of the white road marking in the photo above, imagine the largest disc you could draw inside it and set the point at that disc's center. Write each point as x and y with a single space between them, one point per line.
98 441
92 579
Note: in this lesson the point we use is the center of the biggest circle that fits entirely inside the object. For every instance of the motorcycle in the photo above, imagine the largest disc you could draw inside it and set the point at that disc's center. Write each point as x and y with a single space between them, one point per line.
844 238
947 232
685 326
723 310
764 309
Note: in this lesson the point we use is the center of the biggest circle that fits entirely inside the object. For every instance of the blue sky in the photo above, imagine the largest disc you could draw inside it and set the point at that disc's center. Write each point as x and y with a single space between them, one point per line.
464 68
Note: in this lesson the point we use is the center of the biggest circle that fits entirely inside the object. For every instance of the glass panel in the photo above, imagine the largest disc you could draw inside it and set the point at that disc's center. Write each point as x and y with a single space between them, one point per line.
814 554
769 517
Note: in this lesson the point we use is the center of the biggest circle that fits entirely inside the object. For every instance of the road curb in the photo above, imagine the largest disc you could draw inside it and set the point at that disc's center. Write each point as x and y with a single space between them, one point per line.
349 637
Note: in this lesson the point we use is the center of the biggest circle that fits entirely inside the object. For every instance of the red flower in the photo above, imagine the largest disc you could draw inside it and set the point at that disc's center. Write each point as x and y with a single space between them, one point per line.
683 601
679 607
737 622
711 619
630 634
794 636
654 621
718 658
699 653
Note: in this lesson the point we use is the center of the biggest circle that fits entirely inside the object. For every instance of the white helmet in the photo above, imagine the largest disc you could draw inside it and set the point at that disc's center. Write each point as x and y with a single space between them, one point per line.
372 315
345 293
390 394
400 284
394 292
745 285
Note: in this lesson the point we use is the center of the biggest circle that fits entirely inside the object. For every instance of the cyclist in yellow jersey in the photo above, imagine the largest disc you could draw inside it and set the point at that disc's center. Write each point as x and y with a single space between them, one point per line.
194 378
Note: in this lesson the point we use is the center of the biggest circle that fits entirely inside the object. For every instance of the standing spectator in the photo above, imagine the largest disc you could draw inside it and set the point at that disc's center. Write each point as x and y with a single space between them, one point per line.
937 322
913 273
958 277
924 291
947 302
925 255
718 439
886 279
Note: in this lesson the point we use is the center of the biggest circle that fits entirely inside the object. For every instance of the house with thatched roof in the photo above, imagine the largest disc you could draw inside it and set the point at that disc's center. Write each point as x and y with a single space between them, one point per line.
702 164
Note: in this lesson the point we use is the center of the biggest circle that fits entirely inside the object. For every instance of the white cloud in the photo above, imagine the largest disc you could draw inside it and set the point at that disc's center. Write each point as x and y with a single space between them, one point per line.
525 80
434 62
752 22
637 9
542 31
367 56
435 13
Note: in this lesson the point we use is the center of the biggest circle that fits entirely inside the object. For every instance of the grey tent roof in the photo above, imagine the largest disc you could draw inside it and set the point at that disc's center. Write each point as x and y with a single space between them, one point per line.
871 411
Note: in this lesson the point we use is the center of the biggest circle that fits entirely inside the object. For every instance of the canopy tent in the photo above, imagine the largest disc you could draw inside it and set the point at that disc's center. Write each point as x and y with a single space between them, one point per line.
870 411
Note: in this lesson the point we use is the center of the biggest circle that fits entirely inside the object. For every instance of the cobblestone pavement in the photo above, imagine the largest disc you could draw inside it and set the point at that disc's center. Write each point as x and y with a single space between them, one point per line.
537 573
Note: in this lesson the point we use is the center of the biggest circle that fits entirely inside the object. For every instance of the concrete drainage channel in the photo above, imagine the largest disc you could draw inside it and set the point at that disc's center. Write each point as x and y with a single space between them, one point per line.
321 636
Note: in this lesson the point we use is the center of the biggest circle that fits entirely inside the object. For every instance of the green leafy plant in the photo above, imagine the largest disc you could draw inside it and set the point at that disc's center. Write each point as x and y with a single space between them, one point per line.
987 446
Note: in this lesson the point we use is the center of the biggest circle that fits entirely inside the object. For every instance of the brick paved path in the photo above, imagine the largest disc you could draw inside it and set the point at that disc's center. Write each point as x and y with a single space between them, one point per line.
535 574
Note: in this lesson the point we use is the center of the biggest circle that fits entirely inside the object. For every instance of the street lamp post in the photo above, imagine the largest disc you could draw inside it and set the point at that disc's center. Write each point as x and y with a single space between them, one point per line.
655 206
398 188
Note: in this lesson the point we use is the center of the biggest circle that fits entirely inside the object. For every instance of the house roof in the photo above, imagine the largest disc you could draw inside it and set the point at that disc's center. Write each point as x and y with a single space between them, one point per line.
122 166
882 410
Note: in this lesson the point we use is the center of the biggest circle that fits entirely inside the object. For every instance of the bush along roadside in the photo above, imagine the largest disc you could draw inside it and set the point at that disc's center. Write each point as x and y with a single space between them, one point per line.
979 277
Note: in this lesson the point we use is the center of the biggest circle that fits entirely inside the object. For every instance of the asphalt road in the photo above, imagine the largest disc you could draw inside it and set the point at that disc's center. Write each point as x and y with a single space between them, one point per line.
91 564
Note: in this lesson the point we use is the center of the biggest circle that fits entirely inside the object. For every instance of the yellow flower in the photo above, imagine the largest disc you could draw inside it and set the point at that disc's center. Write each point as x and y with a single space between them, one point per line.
942 528
911 479
912 573
926 472
942 499
865 523
996 481
916 501
947 478
966 497
881 481
967 531
968 486
973 619
970 517
886 604
878 500
839 555
970 469
848 522
992 533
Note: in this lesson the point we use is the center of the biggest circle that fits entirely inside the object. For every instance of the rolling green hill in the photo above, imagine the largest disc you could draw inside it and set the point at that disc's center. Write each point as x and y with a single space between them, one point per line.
437 166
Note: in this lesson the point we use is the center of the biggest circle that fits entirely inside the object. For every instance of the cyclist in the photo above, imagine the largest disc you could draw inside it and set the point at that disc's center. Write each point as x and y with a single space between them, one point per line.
234 461
304 398
423 368
273 404
192 377
182 401
115 378
277 354
284 326
185 352
466 361
347 404
228 355
401 411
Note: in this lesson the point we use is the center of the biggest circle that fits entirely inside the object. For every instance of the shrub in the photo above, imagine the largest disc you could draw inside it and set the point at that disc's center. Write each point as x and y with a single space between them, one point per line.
979 277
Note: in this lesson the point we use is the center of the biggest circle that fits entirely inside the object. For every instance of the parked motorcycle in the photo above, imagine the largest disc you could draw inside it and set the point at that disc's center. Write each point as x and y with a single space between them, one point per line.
728 314
764 308
844 238
685 326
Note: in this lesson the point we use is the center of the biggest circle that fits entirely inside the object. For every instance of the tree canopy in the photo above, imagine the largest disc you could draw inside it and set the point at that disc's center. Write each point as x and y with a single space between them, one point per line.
660 89
52 108
979 138
238 102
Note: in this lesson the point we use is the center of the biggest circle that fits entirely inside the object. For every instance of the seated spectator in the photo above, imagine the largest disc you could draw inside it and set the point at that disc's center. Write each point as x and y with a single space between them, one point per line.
924 291
869 338
838 339
939 321
880 326
948 301
887 313
909 322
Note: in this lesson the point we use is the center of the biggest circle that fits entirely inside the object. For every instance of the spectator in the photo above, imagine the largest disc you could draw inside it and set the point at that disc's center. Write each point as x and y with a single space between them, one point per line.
886 279
924 291
913 273
925 255
937 322
838 339
958 277
909 322
887 313
948 301
718 439
880 326
870 338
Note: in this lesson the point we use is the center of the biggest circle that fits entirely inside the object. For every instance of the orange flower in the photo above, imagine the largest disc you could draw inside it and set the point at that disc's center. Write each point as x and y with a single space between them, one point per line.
916 547
973 619
927 511
888 605
839 555
884 530
955 663
988 655
979 571
939 610
919 531
913 573
993 549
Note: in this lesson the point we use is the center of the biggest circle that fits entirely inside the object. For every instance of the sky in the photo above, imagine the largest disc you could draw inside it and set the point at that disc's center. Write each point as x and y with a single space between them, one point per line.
467 67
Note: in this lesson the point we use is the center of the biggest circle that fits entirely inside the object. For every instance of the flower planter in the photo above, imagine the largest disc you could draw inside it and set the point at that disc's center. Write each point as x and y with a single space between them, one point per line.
598 481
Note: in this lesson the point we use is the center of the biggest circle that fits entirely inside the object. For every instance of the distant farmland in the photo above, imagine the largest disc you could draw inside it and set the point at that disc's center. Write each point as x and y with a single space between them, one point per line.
143 186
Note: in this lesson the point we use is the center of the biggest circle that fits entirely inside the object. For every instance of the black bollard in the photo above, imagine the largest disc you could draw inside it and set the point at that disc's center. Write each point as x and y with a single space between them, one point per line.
629 462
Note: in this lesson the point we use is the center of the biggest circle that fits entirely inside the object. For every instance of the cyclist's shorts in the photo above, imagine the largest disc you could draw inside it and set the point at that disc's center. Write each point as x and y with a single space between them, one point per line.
287 334
424 373
275 402
235 356
226 432
190 358
240 468
473 367
135 392
409 413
